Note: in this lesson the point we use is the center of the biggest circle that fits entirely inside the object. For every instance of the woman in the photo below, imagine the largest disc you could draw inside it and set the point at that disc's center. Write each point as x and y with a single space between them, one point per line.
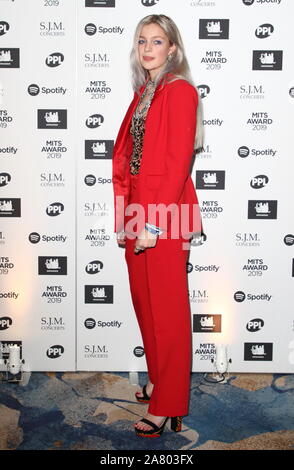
151 179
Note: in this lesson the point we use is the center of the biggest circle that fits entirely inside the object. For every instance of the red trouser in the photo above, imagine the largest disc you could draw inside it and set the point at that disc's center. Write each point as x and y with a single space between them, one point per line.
159 290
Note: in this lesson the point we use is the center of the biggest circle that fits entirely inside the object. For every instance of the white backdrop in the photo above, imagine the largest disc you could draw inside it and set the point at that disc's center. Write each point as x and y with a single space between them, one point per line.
64 89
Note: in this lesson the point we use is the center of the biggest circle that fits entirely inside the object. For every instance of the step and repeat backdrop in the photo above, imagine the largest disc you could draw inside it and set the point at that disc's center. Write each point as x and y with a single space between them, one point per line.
64 89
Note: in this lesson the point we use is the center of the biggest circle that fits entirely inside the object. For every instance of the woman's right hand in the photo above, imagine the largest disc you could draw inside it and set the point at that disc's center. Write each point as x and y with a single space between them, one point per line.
121 239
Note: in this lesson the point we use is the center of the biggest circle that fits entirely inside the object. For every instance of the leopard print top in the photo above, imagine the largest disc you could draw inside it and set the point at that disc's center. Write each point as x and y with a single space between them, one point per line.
138 126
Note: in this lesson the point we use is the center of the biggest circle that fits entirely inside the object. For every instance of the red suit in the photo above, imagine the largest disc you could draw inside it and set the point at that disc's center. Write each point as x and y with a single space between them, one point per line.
158 277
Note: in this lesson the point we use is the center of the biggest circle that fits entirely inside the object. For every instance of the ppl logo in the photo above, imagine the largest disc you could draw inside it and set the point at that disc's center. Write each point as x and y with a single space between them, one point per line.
55 59
204 90
5 323
149 3
4 27
54 209
94 267
264 31
55 351
5 178
94 121
255 325
259 181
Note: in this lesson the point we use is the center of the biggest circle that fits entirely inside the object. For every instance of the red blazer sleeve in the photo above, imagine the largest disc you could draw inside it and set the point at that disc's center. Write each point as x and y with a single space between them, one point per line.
180 115
182 101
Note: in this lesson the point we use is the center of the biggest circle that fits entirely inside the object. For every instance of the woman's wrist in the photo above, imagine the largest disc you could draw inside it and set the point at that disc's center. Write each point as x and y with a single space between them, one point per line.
153 229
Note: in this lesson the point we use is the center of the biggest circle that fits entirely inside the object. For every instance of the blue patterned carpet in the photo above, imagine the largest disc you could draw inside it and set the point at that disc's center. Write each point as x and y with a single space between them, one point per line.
96 411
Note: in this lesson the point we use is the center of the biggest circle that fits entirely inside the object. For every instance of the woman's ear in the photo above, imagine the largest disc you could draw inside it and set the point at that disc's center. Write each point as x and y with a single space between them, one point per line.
172 49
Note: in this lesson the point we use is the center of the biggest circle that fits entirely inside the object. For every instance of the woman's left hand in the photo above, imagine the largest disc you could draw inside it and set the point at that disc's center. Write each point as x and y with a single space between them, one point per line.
145 240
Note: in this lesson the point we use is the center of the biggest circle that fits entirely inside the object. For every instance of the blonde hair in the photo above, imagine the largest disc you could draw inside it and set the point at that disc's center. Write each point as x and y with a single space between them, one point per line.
178 65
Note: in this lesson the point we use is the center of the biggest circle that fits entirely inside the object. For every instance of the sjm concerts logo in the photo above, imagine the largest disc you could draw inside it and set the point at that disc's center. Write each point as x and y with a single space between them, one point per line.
97 59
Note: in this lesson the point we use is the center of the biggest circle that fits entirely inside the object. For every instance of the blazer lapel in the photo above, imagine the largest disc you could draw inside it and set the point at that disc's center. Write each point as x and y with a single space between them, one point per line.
124 131
121 147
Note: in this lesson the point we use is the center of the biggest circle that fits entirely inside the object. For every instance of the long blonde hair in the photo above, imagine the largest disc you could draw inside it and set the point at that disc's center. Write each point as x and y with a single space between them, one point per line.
178 65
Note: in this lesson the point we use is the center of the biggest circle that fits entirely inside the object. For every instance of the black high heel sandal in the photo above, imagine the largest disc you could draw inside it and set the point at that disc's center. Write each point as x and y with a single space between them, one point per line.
156 431
145 398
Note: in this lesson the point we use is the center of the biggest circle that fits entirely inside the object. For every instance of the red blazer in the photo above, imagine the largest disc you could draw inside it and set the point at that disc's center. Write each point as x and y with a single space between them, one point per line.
168 148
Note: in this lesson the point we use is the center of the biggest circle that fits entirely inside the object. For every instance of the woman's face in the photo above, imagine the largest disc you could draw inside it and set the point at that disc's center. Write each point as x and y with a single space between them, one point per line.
153 48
